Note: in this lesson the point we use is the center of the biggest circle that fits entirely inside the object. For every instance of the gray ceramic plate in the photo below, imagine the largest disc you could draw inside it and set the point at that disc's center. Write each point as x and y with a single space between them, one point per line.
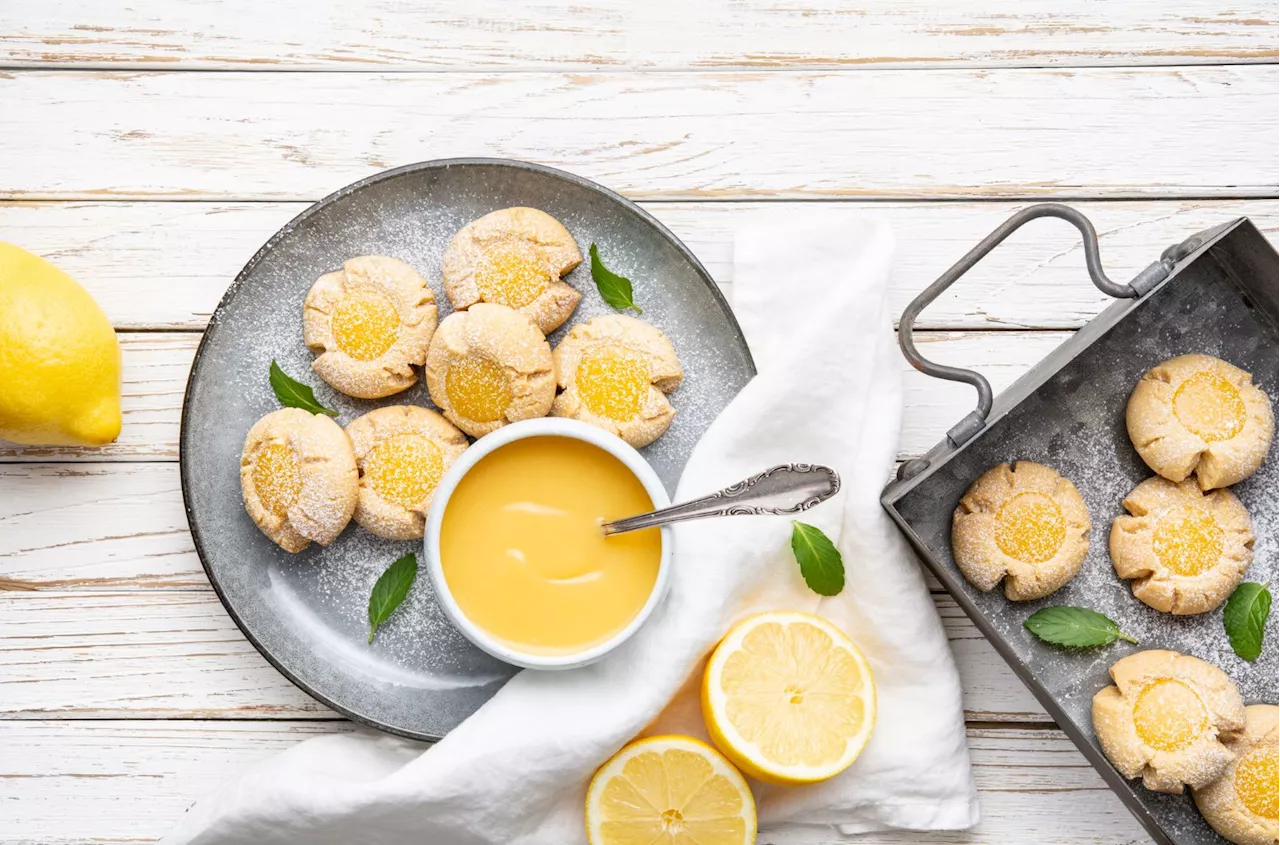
306 613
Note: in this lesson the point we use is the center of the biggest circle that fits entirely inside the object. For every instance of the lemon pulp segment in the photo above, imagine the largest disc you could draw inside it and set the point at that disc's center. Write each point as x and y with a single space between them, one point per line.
511 273
1188 541
364 324
404 469
613 382
1209 406
794 694
1256 781
478 389
1030 528
277 477
1168 715
669 790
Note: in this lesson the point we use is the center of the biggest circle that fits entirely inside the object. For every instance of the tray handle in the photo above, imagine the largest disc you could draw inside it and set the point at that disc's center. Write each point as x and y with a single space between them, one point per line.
964 430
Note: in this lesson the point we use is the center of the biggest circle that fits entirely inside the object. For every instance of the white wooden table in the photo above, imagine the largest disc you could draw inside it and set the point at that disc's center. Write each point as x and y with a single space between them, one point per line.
149 148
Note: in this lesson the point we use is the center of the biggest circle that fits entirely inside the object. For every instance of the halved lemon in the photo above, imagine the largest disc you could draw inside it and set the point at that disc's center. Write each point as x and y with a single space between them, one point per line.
672 790
789 698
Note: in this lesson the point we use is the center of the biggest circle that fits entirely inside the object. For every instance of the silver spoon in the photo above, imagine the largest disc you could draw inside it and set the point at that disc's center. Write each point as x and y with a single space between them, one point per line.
789 488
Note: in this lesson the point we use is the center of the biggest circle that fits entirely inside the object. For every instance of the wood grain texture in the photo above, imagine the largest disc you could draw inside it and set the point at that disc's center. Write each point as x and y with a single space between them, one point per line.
162 265
126 781
618 34
156 365
1101 132
164 654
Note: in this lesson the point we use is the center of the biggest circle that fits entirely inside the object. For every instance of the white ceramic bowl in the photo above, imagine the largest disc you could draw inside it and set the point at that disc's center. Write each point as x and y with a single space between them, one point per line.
545 427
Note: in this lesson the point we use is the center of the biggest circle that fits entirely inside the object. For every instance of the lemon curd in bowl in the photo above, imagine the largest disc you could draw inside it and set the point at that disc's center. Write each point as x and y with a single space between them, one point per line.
517 552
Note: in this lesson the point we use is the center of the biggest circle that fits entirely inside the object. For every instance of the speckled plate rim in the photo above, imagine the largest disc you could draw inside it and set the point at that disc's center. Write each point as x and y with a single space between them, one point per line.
284 231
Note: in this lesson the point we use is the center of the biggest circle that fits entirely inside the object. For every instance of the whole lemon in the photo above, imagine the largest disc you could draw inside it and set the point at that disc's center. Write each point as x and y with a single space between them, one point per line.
59 359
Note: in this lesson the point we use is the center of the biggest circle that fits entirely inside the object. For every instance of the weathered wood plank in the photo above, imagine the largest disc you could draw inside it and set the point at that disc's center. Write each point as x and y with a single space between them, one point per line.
160 654
162 265
156 366
1101 132
82 781
605 34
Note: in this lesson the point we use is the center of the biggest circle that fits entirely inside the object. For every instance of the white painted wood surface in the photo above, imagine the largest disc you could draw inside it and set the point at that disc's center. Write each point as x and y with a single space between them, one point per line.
623 34
1093 132
125 690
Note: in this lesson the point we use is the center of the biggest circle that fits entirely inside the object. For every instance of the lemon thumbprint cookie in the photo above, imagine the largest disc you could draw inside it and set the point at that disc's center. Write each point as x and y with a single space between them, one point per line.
1025 524
488 366
368 324
1185 550
616 373
401 452
298 476
514 257
1195 413
1165 719
1241 804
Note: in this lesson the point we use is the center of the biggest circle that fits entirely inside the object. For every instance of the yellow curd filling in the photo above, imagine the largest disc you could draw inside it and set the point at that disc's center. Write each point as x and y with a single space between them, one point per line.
1256 781
1188 541
365 324
277 477
1209 407
1030 528
478 389
511 274
613 382
786 681
404 469
1168 715
523 551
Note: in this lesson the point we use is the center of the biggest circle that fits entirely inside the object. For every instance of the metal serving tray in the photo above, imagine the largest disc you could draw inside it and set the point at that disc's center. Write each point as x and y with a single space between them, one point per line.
1216 293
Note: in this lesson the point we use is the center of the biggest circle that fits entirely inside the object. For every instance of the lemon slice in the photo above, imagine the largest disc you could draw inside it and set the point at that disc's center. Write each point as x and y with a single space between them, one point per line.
672 790
789 698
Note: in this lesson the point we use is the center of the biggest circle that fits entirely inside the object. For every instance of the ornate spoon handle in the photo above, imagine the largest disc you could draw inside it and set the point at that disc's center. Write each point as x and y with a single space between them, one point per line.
785 489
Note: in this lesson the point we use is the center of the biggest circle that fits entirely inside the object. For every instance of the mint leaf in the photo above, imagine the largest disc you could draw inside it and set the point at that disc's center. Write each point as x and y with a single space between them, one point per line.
614 289
1244 618
393 585
1074 627
819 559
295 394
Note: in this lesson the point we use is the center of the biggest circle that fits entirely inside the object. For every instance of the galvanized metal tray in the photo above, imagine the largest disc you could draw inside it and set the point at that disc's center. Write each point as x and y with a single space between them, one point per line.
307 613
1216 293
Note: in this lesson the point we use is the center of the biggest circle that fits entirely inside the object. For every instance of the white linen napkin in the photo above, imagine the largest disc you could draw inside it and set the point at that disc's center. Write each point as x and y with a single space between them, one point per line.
810 293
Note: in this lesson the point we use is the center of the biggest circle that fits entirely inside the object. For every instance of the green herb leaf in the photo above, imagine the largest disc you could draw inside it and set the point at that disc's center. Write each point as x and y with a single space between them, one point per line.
1244 617
614 289
295 394
393 585
819 559
1075 627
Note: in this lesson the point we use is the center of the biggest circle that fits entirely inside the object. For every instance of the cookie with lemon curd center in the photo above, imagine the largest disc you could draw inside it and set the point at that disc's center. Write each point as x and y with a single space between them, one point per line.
1183 550
488 366
401 452
1024 524
369 324
1196 414
299 479
616 372
789 698
1165 719
1242 804
670 789
514 257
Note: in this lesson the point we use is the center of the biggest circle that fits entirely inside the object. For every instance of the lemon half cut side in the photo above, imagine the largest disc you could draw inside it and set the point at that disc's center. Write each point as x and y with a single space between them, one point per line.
670 790
789 698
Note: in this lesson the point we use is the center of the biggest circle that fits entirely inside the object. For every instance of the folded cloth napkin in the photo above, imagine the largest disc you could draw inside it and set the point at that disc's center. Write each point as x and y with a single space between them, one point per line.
810 294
